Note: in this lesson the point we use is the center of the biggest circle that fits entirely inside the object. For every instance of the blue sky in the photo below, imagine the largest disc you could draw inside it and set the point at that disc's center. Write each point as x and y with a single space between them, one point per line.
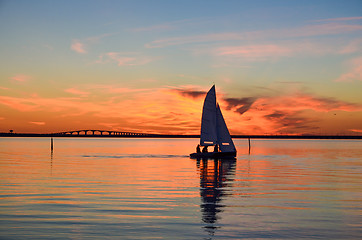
73 53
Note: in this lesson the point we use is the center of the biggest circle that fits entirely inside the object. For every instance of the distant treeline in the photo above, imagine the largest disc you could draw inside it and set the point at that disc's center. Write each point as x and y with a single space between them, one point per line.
179 136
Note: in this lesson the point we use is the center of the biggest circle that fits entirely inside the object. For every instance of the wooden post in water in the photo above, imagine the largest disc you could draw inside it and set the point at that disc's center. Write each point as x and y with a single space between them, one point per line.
51 144
249 145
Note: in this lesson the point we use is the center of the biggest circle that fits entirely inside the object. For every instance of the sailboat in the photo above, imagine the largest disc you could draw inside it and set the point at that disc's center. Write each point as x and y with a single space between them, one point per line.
214 131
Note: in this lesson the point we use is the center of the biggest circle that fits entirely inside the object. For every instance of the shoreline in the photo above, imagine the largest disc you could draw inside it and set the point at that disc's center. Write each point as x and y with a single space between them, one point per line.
178 136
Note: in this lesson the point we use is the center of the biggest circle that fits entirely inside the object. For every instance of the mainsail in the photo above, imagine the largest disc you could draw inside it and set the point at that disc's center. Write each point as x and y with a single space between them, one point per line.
213 127
208 121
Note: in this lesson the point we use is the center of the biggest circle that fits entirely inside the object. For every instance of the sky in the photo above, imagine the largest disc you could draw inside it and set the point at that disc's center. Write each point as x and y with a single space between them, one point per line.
279 67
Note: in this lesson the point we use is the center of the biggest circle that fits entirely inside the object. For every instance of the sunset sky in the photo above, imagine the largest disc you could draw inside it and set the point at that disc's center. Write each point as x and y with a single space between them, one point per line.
280 67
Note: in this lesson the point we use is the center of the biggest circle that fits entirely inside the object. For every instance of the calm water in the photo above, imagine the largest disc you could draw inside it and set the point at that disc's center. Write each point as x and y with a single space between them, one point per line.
151 189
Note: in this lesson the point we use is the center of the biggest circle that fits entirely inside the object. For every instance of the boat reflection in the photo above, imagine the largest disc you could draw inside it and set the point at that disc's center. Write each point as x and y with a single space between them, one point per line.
216 176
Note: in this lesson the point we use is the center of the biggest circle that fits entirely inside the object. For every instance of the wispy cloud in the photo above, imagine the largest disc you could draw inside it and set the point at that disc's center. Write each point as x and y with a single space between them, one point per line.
194 39
356 130
153 28
125 59
174 25
76 91
354 46
303 101
342 19
254 52
355 72
21 78
82 45
298 32
38 123
78 46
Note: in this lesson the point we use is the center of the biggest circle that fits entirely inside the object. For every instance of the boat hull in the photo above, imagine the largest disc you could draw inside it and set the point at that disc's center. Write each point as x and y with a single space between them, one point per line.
214 155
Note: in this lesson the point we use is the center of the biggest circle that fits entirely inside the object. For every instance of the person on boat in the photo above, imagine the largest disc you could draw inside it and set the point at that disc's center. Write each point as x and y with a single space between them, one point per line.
216 148
198 148
204 150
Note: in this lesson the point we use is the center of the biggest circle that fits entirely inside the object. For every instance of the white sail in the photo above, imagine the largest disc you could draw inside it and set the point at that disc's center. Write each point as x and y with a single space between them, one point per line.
208 121
224 140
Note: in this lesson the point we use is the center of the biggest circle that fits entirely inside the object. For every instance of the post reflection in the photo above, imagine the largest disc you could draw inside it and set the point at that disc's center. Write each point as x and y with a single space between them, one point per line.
215 176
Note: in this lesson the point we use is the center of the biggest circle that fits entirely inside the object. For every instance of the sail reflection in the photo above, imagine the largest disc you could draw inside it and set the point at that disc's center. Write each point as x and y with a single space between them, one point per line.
215 176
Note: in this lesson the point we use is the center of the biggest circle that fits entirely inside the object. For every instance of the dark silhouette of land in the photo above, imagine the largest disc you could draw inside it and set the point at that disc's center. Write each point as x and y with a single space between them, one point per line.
117 134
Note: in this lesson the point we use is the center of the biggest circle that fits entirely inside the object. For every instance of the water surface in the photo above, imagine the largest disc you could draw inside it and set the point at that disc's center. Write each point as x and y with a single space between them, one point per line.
150 189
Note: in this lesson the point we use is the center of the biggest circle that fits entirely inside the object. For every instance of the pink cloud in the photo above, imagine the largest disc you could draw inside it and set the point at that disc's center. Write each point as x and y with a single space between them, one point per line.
303 31
125 59
78 46
355 72
303 101
254 51
21 78
195 39
352 47
288 113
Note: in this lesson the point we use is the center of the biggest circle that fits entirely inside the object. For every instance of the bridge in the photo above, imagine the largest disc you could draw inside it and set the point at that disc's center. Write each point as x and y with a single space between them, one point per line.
93 132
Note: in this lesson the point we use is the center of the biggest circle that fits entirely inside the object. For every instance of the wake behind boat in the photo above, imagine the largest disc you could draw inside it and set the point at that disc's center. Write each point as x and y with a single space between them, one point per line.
214 131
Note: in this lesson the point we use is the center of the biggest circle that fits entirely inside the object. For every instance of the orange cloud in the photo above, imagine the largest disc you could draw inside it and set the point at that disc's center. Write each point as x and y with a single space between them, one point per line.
293 113
177 110
356 130
38 123
289 113
152 110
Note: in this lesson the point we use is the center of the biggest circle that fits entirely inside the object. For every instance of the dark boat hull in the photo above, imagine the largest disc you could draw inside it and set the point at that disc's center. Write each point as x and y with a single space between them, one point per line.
214 155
